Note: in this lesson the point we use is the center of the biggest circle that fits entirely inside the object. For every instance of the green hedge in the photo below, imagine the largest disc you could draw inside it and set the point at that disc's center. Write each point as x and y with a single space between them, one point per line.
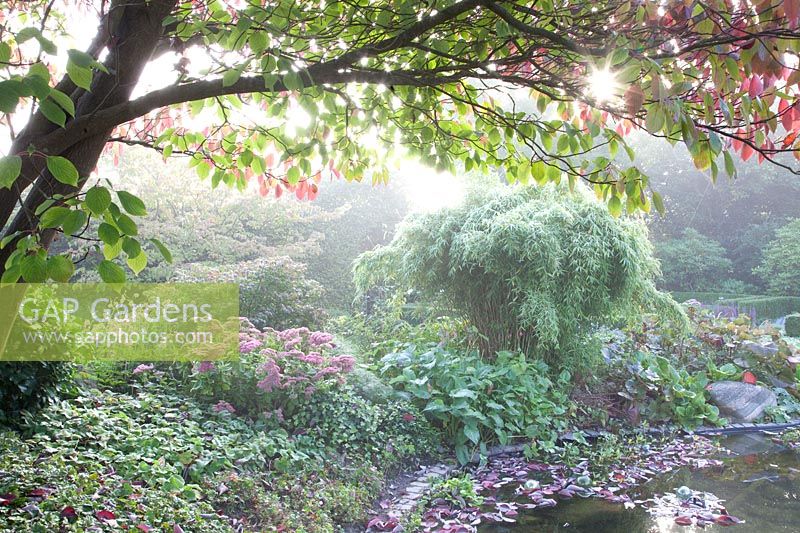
765 306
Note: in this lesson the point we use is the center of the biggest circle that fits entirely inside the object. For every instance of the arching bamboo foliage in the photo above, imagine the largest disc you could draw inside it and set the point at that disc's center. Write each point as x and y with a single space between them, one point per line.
531 268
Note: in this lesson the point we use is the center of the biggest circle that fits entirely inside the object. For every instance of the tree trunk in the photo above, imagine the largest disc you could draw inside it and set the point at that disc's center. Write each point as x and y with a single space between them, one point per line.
130 42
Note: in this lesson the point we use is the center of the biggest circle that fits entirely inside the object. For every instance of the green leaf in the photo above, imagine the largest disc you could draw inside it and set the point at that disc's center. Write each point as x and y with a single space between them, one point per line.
658 202
97 200
108 233
60 268
132 204
33 269
53 112
131 247
62 170
472 433
80 76
10 167
111 272
615 206
165 253
54 217
73 222
126 225
64 101
230 77
293 176
137 263
11 274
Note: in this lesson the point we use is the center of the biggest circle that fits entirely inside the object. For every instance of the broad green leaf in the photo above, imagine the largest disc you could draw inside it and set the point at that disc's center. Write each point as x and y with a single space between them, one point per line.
131 247
62 170
97 200
54 217
137 263
111 272
53 112
165 253
108 233
74 222
10 168
80 76
132 204
126 225
64 101
33 269
60 268
615 206
658 202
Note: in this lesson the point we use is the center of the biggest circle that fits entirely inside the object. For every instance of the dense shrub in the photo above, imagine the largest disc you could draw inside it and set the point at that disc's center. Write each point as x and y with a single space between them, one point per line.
692 262
477 403
273 292
780 268
26 385
530 268
793 325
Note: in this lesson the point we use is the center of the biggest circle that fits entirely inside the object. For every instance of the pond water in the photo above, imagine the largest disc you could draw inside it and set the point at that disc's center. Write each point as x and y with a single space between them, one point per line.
759 483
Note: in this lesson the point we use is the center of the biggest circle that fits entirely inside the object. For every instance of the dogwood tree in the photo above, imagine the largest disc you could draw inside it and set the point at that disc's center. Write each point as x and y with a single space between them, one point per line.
285 92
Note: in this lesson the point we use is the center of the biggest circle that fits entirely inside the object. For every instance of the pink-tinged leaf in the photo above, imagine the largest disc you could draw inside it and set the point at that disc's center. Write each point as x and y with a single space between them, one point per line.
8 498
756 86
747 151
105 515
144 527
786 114
69 513
726 520
792 10
177 529
383 523
683 520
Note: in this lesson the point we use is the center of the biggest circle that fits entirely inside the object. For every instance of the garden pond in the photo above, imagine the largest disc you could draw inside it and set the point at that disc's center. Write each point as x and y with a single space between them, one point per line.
752 482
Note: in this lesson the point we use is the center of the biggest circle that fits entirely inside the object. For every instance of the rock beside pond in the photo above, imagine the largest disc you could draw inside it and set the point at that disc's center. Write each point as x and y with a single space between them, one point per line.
764 351
741 402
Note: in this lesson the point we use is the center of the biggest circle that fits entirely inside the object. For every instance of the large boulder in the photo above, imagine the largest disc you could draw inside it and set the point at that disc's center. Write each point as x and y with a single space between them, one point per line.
766 350
792 325
741 402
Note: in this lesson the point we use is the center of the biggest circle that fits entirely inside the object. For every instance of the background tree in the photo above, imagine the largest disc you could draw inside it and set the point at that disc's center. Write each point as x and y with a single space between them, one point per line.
781 266
287 92
693 262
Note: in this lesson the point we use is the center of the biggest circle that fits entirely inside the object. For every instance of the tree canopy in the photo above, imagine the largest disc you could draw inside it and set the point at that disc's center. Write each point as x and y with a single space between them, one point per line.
282 93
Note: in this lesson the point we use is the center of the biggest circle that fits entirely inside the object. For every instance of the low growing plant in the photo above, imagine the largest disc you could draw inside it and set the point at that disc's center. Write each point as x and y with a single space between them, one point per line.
478 403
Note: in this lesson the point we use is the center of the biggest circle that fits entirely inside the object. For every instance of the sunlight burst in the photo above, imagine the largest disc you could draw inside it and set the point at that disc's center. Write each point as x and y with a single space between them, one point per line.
602 85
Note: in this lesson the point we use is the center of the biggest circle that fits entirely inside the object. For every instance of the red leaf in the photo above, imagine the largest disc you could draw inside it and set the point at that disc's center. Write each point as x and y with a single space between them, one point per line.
105 515
749 377
786 114
69 513
683 520
747 152
726 520
7 499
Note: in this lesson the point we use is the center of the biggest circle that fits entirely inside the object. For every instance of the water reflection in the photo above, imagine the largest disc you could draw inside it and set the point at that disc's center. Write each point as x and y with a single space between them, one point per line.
760 484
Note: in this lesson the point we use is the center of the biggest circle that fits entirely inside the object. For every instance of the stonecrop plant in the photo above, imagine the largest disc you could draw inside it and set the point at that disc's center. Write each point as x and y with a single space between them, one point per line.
277 373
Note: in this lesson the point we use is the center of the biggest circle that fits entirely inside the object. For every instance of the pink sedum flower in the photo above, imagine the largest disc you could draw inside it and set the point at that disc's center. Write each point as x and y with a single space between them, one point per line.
143 368
222 405
205 366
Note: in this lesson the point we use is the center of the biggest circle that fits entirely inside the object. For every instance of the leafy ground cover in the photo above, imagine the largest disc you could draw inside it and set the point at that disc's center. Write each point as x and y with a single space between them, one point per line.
175 447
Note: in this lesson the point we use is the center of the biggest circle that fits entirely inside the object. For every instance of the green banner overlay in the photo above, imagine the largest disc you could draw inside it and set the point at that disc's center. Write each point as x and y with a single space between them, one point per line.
127 322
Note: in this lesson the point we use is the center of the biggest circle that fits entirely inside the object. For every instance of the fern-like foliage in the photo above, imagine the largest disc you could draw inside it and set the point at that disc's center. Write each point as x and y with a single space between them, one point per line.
533 268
